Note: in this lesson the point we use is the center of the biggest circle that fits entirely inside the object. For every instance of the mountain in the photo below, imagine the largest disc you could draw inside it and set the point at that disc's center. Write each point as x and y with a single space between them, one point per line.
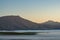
16 23
50 22
50 25
19 23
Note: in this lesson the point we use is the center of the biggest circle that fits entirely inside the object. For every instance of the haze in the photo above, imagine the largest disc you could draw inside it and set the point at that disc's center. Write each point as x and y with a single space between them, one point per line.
34 10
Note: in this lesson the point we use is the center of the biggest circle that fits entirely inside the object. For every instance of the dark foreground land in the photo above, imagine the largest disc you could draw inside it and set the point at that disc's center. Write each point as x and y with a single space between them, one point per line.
16 33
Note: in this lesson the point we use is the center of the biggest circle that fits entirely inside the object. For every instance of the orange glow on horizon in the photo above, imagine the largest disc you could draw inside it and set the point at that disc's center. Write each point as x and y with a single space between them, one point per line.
41 20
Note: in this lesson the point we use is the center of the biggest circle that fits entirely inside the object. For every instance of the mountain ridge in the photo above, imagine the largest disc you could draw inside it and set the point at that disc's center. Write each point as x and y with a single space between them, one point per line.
19 23
16 22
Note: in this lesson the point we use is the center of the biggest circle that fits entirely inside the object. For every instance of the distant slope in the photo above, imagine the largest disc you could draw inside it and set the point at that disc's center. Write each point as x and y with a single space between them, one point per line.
50 25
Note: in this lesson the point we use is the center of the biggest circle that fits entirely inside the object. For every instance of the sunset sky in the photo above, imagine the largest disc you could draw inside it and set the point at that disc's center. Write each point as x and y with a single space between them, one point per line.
34 10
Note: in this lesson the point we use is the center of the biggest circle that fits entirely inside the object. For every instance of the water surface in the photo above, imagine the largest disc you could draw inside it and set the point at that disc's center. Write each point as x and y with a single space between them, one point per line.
41 35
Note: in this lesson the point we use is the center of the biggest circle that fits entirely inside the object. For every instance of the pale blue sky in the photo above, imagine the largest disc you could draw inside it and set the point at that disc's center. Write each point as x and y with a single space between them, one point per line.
34 10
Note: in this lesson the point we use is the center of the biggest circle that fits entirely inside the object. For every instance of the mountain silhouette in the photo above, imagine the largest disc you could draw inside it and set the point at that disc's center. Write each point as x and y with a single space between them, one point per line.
19 23
50 25
16 23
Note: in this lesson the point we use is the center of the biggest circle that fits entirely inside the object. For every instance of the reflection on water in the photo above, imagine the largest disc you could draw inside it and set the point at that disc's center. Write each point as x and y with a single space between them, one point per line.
46 35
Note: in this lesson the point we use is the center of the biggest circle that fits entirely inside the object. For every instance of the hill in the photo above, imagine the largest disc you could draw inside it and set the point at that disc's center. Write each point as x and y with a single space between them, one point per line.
50 25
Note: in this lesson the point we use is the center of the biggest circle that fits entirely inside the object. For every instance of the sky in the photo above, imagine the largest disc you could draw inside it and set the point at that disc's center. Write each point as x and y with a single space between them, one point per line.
35 10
